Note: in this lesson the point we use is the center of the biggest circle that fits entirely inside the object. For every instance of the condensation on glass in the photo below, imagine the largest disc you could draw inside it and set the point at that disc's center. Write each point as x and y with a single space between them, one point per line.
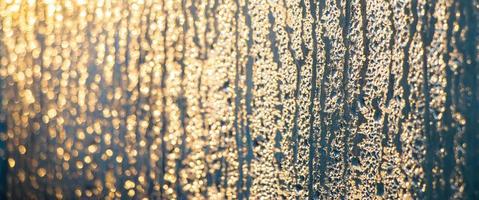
233 99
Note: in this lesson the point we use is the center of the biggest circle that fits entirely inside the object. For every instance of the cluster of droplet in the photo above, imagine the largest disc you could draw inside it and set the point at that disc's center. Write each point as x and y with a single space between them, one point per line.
234 99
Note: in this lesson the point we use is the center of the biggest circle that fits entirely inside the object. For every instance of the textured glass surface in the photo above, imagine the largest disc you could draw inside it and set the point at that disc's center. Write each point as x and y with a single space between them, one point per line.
239 99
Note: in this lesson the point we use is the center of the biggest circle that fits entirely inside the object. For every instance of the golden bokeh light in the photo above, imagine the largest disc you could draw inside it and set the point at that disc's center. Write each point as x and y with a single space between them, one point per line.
237 99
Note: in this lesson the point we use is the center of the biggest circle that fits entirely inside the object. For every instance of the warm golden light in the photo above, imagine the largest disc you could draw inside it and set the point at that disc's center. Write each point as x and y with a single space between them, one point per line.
233 99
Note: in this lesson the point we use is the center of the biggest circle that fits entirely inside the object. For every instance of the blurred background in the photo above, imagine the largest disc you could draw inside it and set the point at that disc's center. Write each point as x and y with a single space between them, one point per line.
239 99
